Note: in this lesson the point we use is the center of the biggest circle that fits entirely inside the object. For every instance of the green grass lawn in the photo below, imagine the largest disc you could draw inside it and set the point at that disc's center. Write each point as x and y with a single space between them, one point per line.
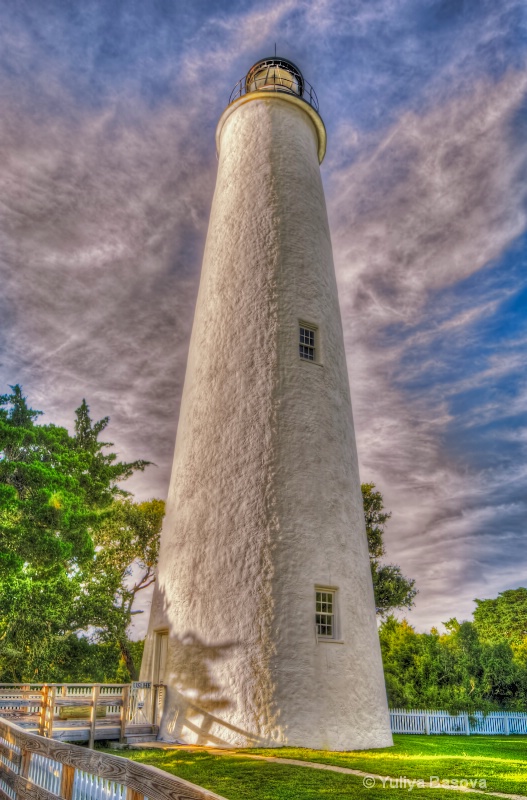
500 761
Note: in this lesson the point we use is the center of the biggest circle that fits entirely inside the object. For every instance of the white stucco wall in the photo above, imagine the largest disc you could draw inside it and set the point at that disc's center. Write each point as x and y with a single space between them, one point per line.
265 502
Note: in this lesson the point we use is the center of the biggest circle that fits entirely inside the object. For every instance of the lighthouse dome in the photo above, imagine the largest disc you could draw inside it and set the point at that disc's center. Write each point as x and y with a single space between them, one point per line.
275 74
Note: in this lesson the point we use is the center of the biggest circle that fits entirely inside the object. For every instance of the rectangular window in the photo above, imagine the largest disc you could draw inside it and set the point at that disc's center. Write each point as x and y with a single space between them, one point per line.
325 613
307 348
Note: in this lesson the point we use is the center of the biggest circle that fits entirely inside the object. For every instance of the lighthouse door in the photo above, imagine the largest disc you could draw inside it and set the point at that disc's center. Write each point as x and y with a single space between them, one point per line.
161 651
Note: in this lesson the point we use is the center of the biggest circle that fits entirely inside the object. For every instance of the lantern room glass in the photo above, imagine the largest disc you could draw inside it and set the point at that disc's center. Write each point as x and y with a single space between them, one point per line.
275 77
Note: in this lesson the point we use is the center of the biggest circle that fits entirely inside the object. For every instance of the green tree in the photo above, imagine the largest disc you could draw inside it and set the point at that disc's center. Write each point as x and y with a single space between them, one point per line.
391 589
126 552
55 490
454 671
503 618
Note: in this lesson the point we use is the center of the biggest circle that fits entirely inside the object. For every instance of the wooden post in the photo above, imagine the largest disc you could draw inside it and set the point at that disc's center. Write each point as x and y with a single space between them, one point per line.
43 709
21 779
25 690
66 782
468 724
25 763
64 693
132 794
506 728
125 708
51 711
93 715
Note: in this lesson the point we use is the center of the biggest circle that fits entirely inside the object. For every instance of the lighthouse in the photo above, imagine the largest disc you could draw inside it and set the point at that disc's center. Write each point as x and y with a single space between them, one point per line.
263 628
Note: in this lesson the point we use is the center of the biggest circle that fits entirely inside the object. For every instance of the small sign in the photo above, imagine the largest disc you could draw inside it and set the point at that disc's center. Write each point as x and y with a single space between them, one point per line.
140 705
141 685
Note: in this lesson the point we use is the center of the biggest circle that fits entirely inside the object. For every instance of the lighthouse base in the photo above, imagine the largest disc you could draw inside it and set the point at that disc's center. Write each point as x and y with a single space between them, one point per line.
208 700
185 723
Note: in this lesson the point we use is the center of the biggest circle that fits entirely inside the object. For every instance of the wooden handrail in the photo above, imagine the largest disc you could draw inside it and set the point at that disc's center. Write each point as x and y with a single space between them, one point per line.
42 705
32 688
23 778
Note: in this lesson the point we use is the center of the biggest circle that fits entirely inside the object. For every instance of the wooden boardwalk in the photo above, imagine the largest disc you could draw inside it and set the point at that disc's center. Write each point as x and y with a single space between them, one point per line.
83 712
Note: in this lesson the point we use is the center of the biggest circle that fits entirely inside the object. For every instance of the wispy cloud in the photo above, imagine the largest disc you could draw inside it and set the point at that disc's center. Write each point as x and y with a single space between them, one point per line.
438 198
107 142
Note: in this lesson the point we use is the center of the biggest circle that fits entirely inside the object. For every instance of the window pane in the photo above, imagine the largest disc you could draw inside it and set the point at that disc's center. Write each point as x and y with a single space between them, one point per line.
324 614
306 341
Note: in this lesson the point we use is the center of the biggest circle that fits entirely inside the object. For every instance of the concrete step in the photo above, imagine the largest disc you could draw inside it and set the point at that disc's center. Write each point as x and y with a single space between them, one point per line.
140 738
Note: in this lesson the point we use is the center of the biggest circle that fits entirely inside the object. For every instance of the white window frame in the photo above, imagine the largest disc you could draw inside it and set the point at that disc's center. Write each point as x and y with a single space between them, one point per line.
315 347
327 593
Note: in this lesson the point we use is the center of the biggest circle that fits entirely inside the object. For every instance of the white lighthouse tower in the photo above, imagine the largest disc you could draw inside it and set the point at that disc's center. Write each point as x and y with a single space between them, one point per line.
263 627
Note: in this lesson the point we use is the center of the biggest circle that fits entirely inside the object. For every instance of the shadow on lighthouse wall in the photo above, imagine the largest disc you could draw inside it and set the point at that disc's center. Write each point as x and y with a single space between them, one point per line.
193 701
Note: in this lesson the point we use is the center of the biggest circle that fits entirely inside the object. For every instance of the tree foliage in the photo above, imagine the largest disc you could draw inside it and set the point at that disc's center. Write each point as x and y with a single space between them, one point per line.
58 494
503 618
391 589
126 551
456 671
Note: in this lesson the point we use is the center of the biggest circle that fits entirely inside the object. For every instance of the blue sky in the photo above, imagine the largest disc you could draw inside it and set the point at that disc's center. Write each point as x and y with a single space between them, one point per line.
107 145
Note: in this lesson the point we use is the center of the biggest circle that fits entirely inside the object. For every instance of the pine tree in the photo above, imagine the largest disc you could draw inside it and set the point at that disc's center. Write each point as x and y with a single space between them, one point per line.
56 490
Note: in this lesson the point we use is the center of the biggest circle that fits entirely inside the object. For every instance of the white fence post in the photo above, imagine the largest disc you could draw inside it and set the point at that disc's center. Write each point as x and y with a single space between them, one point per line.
506 730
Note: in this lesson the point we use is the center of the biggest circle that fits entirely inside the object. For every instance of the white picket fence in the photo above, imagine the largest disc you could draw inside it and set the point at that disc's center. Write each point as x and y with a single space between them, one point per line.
430 722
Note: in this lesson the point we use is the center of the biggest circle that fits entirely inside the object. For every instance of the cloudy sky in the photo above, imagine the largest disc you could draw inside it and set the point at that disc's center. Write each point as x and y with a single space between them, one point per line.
108 166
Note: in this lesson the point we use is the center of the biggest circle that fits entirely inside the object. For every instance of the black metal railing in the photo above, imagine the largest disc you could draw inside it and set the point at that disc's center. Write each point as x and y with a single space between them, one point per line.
277 83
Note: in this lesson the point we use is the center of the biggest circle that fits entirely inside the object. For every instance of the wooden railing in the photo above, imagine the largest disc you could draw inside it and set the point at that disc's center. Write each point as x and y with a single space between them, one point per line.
75 697
36 768
80 712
